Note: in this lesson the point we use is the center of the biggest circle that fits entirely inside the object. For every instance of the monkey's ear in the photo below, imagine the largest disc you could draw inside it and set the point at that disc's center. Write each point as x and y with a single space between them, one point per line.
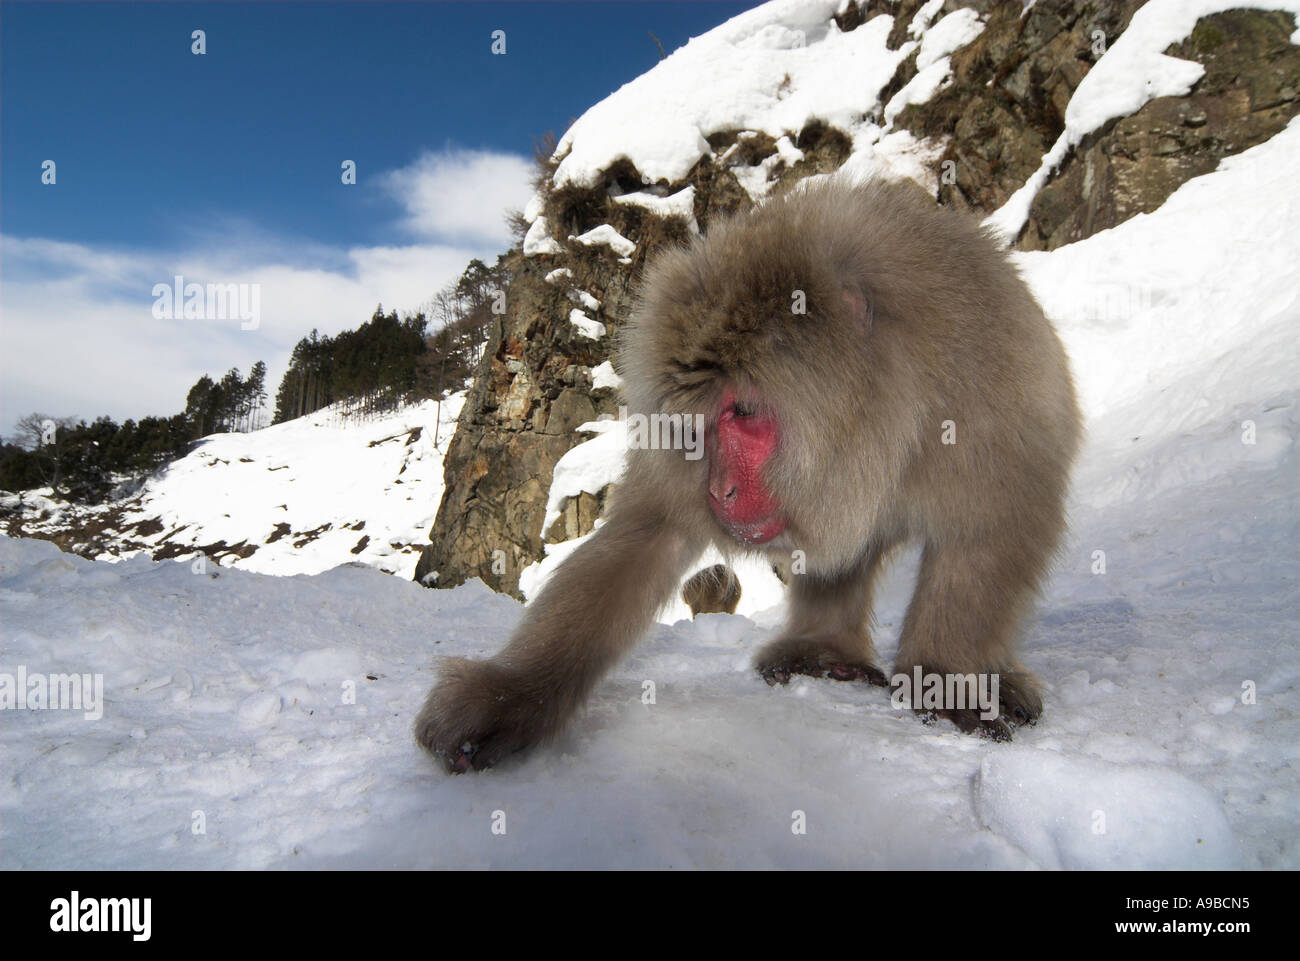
858 306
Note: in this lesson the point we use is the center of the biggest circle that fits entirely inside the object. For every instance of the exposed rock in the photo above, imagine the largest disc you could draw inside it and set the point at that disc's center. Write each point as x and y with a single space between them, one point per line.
577 516
570 410
1250 90
531 390
1006 104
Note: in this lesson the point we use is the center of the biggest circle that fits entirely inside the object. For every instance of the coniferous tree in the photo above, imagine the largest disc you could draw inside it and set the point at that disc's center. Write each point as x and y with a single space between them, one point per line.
255 390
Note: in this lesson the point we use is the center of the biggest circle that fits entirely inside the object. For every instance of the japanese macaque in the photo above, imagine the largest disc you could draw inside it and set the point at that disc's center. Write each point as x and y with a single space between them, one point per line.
869 369
714 590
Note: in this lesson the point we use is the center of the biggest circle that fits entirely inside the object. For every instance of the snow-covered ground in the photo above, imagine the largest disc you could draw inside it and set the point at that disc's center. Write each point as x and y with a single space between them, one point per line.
296 498
253 721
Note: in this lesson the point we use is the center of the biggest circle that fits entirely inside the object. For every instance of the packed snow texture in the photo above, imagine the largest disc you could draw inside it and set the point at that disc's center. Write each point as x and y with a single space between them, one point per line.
1038 799
254 722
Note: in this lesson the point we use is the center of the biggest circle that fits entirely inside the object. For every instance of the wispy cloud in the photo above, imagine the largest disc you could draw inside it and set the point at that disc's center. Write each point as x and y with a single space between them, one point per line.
461 195
78 335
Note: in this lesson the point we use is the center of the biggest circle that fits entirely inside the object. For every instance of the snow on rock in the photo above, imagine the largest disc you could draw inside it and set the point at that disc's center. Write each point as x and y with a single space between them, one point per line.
38 502
1185 310
1077 813
934 65
895 155
607 236
589 467
919 89
533 209
947 36
773 69
1131 73
924 17
538 240
591 329
603 376
788 152
680 204
585 299
558 275
756 179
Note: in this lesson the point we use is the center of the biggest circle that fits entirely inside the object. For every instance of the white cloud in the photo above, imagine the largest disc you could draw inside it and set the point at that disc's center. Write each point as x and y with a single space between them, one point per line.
77 333
461 195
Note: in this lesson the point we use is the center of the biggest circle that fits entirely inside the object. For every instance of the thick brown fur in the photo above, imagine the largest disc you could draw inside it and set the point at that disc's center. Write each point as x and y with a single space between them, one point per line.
713 590
914 318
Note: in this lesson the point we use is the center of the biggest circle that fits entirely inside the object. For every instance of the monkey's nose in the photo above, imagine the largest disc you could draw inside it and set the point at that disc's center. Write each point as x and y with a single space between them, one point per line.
722 491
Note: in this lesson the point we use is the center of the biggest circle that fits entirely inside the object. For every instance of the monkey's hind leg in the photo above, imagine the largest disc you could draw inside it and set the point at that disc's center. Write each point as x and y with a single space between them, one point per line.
962 621
828 631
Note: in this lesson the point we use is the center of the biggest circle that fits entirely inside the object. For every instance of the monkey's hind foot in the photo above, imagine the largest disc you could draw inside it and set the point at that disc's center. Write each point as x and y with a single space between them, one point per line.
1019 705
783 659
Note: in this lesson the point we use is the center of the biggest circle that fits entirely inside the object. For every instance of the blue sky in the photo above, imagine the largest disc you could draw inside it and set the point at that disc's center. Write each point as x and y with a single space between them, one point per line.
225 167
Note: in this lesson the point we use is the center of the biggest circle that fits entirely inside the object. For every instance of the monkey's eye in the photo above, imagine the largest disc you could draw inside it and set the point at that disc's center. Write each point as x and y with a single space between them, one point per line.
741 409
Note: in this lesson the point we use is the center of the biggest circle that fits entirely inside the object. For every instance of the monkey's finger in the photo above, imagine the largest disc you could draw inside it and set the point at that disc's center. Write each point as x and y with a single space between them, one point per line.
858 672
1020 701
774 675
968 722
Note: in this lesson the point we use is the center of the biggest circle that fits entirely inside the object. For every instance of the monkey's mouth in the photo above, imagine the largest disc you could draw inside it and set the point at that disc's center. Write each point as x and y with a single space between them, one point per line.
758 532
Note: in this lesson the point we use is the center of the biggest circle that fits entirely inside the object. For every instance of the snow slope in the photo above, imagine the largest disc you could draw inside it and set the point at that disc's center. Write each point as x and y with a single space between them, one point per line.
243 704
295 498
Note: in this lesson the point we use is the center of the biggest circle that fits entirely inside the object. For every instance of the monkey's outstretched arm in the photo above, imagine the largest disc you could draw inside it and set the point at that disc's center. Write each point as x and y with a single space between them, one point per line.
597 604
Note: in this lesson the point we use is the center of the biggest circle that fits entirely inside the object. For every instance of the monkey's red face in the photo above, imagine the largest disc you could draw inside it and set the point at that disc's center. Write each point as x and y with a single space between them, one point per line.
743 438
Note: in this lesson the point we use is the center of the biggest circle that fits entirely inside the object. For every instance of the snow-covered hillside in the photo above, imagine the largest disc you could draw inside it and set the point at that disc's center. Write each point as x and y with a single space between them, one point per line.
252 721
296 498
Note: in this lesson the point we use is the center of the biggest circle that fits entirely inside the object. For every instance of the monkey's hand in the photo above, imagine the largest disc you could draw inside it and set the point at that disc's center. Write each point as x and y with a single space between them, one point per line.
480 712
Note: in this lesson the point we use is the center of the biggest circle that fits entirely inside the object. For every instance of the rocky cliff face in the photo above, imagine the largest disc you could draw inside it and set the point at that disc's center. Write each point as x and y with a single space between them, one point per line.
974 133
